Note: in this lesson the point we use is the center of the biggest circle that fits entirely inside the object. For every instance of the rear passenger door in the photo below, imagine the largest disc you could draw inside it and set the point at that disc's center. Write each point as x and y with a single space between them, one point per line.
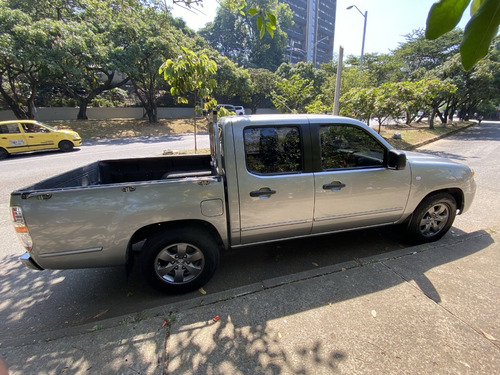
276 192
354 187
12 138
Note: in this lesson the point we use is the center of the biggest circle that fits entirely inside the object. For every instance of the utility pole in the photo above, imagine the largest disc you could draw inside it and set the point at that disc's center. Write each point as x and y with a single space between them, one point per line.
339 78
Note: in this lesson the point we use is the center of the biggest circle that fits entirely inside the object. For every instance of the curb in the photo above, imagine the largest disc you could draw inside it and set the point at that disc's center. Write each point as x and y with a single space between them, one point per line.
453 132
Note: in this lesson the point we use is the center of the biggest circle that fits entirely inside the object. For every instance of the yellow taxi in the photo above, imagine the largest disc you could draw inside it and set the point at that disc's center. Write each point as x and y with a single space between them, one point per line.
30 135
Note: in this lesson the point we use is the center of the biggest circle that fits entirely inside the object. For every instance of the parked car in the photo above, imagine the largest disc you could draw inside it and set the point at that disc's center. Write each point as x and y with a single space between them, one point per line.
29 135
238 109
268 178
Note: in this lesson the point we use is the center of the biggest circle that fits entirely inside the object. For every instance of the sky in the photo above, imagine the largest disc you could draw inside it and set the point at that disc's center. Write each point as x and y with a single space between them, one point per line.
388 21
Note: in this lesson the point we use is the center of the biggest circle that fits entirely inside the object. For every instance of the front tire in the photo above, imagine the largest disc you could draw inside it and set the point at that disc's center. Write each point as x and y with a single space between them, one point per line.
432 218
180 260
66 146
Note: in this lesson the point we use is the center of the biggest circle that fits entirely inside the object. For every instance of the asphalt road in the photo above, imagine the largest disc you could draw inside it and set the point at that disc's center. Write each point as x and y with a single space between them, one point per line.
32 301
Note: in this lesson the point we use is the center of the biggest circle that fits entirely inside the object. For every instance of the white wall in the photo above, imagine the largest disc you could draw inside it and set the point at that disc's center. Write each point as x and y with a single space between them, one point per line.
65 113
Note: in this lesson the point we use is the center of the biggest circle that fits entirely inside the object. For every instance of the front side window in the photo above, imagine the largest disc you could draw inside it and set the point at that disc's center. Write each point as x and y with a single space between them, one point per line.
34 128
272 150
344 146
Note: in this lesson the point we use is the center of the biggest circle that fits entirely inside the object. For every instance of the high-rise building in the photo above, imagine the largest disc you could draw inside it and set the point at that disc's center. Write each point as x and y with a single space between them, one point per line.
311 37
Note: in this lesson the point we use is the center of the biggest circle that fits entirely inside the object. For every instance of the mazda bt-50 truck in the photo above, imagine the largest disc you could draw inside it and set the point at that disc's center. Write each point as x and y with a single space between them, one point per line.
267 178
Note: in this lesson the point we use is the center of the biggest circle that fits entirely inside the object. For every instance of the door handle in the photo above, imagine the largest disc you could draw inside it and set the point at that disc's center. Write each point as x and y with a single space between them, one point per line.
335 185
262 192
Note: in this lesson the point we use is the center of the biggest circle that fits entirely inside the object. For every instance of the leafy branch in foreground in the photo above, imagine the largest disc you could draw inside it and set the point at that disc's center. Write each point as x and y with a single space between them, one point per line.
482 27
266 20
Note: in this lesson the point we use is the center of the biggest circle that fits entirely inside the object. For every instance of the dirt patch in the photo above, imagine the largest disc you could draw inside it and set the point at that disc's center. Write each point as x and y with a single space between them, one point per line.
417 133
121 128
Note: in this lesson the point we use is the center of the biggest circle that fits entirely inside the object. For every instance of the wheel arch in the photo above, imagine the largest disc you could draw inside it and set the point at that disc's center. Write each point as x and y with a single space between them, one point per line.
456 193
151 230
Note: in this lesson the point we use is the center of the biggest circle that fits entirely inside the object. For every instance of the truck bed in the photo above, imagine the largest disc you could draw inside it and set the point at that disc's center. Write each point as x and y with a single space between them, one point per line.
108 172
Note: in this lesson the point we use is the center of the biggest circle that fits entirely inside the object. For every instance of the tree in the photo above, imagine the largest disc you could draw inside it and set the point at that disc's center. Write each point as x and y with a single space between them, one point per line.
359 103
382 68
237 37
190 73
144 40
476 86
58 43
435 94
233 82
480 31
265 18
419 55
263 83
293 94
94 69
33 53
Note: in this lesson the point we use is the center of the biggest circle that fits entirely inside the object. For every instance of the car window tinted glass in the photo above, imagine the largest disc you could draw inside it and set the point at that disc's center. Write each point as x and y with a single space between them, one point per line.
270 150
344 146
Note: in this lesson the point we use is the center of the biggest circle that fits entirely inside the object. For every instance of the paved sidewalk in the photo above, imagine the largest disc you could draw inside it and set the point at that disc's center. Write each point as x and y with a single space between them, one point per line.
430 309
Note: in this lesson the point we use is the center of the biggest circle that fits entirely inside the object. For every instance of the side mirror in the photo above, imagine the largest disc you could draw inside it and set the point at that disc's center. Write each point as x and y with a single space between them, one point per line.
396 160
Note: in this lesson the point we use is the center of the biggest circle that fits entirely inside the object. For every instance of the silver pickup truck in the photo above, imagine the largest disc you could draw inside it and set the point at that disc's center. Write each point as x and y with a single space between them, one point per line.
268 178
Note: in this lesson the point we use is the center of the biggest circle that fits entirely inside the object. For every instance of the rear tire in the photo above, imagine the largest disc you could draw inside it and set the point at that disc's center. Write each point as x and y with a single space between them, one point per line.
180 260
3 154
432 218
66 146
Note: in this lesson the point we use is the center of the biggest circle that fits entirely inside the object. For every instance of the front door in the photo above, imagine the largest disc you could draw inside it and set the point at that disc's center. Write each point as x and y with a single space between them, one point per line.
355 188
276 195
38 137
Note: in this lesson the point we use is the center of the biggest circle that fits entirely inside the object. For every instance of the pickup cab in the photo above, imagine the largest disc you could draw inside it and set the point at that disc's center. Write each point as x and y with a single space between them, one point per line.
267 178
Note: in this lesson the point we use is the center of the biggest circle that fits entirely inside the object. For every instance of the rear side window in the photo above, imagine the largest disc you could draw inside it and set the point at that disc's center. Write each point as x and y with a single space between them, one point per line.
9 129
344 146
273 150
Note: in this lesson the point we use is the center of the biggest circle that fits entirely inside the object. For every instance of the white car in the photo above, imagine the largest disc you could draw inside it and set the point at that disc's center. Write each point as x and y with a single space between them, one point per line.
238 109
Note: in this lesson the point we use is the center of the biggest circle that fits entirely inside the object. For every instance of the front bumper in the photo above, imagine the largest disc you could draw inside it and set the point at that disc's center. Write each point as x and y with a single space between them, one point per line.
29 262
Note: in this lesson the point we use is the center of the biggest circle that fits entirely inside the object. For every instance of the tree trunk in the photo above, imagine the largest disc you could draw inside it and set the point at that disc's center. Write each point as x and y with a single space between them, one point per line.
31 102
152 112
82 112
441 117
431 119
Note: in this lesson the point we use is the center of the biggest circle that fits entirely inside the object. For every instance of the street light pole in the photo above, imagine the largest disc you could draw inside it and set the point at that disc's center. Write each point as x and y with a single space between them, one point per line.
315 49
365 15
